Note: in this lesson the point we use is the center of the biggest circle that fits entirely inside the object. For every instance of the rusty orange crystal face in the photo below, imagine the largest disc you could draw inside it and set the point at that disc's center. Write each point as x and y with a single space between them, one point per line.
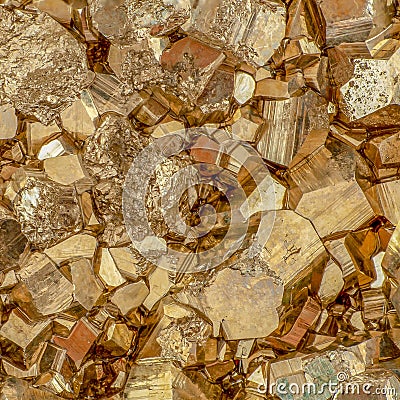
199 199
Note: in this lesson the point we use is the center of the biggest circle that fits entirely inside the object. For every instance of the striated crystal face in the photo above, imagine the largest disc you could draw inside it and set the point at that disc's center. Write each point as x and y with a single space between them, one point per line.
199 199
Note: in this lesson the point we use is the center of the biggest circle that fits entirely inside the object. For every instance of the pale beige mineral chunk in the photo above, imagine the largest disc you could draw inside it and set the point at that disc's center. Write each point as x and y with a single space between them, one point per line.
246 123
356 321
268 195
173 309
81 245
159 286
50 291
391 259
262 73
331 285
27 336
245 129
76 119
370 78
380 275
125 260
243 307
64 169
291 255
37 134
347 209
157 378
87 289
384 198
130 297
8 122
107 271
9 280
244 87
54 148
244 348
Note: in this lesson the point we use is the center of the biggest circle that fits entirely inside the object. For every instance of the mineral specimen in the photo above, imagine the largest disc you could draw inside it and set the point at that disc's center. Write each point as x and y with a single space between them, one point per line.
199 199
45 64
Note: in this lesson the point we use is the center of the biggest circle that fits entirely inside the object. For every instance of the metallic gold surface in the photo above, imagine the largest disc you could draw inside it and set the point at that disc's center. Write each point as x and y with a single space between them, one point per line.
199 199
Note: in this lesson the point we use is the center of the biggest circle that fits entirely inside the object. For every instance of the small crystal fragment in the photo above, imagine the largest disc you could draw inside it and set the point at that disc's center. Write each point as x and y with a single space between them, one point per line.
106 269
26 336
8 122
331 284
117 339
130 297
244 87
76 119
64 169
12 241
79 341
81 245
87 289
48 212
54 148
51 292
247 124
159 286
374 304
272 89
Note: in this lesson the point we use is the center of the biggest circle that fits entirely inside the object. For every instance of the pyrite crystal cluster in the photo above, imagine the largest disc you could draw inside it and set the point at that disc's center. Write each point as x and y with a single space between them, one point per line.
199 199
